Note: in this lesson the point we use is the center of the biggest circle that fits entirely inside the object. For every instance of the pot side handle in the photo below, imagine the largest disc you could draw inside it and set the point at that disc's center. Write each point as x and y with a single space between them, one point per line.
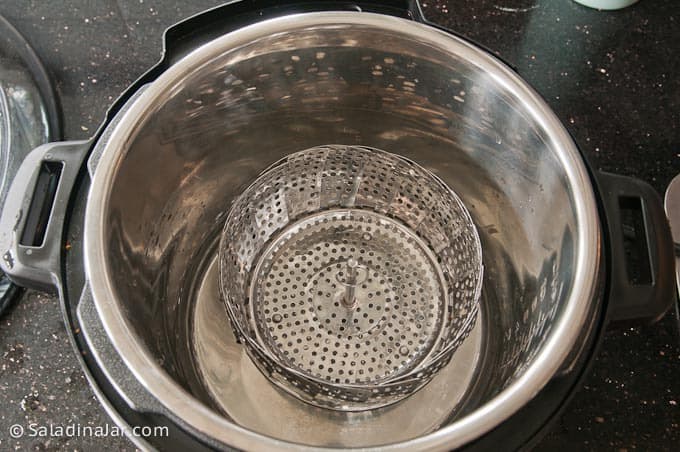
640 262
32 220
185 36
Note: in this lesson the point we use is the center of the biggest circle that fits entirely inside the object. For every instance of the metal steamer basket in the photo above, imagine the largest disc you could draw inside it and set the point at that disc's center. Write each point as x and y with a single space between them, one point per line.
452 236
351 275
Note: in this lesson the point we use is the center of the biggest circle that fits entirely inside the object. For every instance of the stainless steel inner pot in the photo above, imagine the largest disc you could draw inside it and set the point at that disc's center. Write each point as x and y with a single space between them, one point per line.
182 150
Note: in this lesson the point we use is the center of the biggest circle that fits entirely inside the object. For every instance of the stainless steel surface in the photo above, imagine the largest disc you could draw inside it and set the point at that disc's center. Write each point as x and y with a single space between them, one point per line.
350 274
672 205
212 122
244 394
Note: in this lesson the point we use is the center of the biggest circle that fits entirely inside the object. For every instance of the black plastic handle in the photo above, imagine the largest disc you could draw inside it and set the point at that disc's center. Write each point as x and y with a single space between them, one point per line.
641 262
32 221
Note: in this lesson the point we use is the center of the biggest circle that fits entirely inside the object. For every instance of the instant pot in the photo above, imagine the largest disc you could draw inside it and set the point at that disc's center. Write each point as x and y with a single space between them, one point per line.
125 227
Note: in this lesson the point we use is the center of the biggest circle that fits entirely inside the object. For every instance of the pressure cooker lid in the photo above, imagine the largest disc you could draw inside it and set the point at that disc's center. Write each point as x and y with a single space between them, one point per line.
28 117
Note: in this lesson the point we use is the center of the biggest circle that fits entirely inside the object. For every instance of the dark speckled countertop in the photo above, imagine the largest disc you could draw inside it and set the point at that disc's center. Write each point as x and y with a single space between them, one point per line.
612 77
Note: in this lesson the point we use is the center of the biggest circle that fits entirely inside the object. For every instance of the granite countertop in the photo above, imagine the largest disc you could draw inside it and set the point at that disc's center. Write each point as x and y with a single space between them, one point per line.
611 77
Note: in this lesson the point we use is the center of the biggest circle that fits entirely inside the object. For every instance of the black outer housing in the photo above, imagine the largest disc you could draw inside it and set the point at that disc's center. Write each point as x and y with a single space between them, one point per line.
522 430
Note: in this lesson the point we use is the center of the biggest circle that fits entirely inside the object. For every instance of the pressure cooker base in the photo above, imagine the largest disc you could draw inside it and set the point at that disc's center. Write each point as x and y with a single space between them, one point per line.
500 150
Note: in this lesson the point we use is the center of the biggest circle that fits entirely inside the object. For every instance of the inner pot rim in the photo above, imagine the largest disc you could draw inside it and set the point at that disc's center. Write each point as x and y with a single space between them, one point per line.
209 423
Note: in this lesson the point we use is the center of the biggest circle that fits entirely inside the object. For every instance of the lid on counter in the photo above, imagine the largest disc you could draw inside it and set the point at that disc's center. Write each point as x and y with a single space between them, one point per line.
29 117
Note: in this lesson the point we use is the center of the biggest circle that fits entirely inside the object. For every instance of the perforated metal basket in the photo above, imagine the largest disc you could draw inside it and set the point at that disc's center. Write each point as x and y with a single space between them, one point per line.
350 274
